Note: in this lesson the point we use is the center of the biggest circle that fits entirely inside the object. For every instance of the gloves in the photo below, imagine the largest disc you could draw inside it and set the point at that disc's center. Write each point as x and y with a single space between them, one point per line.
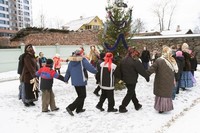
121 82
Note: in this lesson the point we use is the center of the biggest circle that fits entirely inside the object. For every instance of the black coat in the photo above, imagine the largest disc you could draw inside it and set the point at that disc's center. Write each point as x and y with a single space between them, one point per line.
187 66
193 62
145 56
181 63
130 69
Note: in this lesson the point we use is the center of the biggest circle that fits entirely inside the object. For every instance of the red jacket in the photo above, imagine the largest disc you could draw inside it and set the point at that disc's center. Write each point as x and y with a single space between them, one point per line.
57 62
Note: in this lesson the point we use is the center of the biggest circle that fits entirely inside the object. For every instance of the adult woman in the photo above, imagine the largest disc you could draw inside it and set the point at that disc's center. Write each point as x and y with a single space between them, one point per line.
186 76
164 68
28 73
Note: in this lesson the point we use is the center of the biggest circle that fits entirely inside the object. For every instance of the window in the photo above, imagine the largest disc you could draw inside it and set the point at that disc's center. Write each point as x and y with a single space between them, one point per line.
2 22
27 13
95 27
26 7
26 1
2 15
2 8
87 27
27 19
2 1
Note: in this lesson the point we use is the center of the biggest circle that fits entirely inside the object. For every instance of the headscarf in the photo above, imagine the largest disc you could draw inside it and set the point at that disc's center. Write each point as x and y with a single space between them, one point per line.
185 47
108 59
170 61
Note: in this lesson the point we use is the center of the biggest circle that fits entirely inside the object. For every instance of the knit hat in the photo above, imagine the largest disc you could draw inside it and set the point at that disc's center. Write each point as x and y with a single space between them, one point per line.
179 54
57 55
49 63
76 53
108 59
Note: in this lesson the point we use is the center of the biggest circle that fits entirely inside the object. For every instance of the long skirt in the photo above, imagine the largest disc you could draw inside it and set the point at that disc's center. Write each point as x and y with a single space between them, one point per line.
30 95
163 104
186 80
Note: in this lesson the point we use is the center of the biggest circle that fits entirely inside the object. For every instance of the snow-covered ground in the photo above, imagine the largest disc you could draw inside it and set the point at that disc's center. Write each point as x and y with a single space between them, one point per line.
15 118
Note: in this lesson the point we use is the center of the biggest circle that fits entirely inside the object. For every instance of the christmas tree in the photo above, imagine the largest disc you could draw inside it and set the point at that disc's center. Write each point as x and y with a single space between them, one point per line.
117 31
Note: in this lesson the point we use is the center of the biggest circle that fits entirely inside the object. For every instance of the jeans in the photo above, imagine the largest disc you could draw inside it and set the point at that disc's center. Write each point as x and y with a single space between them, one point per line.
174 90
21 91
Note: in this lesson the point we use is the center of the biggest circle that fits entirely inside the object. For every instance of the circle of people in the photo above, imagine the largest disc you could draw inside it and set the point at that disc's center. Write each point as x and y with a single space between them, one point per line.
174 70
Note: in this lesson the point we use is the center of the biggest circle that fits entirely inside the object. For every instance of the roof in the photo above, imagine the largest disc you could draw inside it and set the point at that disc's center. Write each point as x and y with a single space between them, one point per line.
166 36
181 32
76 24
8 31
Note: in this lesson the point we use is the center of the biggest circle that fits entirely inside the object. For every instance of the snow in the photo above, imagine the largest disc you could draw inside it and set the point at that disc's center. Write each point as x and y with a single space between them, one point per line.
15 117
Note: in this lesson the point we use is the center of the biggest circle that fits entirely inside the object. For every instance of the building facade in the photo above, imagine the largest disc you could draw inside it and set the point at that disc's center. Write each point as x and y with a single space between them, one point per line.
89 23
14 15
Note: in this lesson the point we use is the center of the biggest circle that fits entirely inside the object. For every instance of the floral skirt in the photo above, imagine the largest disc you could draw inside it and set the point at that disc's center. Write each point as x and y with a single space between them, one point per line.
163 104
186 80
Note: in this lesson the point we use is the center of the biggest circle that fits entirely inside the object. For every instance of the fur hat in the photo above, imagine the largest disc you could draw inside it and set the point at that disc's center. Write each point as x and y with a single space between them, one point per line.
179 54
27 47
49 63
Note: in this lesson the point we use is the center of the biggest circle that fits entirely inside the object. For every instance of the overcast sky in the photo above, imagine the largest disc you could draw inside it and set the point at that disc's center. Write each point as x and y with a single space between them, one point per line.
58 12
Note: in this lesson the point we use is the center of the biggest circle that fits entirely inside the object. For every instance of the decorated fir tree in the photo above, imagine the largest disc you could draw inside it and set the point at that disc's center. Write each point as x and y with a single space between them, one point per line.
116 35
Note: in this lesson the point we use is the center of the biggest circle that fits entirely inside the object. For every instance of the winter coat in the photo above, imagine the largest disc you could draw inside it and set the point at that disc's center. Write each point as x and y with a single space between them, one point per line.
57 62
145 56
130 68
97 76
105 77
187 66
181 63
20 64
193 62
30 67
164 78
77 71
47 74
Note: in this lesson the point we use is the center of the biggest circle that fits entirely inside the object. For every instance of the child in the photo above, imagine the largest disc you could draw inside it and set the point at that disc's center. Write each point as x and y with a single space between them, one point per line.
57 63
106 78
47 74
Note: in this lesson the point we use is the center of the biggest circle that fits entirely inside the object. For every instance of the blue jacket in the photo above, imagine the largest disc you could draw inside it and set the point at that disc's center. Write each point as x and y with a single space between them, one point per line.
77 71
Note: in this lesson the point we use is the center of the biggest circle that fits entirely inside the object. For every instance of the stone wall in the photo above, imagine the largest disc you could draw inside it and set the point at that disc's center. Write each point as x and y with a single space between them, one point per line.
157 42
51 38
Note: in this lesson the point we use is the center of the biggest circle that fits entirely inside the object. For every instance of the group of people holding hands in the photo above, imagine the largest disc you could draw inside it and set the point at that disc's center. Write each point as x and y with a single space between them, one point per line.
170 75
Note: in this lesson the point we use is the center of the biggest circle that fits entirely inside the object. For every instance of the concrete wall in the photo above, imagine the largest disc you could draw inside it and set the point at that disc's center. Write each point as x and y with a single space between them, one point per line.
9 57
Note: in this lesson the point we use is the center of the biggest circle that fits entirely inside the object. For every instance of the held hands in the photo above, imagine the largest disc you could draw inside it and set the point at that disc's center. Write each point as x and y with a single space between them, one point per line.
147 79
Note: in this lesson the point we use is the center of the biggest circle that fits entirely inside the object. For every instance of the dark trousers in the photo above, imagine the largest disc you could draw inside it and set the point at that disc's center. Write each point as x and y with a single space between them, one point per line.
79 101
130 95
107 94
146 65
